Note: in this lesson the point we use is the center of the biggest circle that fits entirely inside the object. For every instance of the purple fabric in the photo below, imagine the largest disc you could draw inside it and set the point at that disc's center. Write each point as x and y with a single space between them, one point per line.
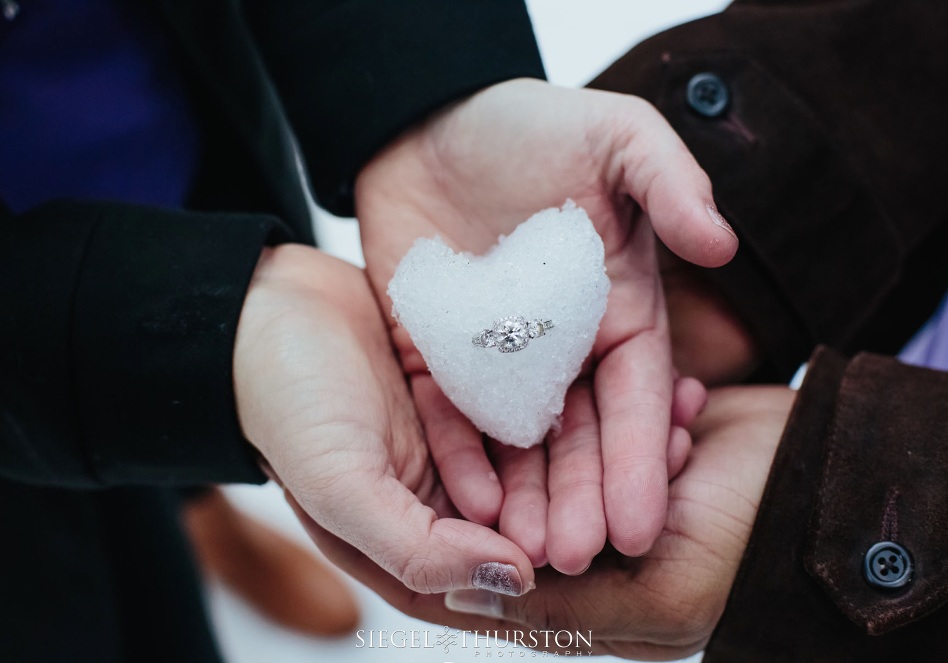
930 345
91 107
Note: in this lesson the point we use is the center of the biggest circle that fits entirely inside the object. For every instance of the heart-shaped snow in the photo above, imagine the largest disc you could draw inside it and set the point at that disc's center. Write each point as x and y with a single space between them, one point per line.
478 321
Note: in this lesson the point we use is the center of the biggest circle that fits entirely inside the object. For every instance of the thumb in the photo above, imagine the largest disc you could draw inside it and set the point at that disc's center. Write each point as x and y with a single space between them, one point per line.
662 176
388 523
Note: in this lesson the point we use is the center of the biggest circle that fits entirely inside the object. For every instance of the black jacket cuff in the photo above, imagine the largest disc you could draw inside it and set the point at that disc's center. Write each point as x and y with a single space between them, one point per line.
372 69
121 338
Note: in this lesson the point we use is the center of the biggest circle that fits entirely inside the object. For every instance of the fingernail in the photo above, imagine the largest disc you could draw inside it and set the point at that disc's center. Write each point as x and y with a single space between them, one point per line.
499 578
475 602
719 220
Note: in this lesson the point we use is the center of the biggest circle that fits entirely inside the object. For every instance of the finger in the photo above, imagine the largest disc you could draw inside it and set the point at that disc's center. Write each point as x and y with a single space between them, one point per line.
429 607
354 562
664 178
548 607
457 449
387 522
576 526
412 361
679 448
633 392
690 397
523 517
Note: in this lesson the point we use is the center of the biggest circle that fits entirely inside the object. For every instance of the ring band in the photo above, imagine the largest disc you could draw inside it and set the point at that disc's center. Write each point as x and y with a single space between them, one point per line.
511 334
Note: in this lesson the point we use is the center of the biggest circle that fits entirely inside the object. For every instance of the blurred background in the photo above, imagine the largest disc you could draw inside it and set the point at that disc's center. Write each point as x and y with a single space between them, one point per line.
577 41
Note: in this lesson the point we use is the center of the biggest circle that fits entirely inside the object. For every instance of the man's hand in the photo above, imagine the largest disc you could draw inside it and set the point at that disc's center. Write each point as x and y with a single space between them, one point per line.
709 341
472 173
320 394
666 604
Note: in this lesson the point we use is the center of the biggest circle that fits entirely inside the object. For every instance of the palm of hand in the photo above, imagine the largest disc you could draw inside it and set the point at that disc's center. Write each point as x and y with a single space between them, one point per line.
322 397
476 172
291 391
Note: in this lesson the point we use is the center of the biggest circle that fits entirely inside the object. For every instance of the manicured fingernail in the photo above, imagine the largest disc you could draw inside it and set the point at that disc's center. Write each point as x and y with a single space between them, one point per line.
499 578
475 602
719 220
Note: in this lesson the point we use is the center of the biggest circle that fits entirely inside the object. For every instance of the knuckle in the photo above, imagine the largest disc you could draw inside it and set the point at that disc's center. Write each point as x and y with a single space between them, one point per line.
420 574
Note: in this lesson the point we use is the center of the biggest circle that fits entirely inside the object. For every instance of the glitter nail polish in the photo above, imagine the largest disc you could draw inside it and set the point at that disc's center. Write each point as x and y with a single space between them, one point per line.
499 578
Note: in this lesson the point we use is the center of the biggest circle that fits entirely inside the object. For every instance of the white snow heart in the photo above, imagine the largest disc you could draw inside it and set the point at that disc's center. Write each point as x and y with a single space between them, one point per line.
549 269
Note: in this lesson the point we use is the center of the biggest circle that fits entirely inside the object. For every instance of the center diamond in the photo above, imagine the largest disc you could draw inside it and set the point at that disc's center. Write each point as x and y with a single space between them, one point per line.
511 334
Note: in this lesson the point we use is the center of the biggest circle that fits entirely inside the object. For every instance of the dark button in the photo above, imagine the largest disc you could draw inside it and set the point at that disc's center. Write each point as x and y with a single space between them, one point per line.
708 95
887 565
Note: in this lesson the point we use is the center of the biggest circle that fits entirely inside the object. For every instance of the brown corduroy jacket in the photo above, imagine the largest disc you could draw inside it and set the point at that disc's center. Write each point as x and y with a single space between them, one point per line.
822 124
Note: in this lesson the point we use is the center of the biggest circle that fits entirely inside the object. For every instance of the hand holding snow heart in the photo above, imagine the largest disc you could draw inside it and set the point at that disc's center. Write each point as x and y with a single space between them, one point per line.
472 174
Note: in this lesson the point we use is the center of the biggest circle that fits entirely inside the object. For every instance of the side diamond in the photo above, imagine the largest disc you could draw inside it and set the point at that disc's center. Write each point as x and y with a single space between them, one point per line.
485 339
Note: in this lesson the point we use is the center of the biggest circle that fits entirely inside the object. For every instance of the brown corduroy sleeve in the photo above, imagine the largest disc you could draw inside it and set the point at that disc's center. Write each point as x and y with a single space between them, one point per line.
863 460
827 155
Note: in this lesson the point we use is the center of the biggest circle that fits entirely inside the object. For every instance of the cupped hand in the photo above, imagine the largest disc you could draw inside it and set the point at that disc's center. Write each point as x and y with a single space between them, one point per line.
472 173
666 604
322 397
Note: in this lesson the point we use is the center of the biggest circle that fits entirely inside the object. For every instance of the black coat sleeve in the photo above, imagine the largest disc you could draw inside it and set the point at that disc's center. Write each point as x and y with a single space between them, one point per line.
828 159
352 74
117 339
119 321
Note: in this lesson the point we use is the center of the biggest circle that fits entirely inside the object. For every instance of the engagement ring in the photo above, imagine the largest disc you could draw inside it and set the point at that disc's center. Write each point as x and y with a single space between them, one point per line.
511 334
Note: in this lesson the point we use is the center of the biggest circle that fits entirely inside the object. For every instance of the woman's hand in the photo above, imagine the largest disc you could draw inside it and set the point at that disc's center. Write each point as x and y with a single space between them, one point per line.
321 395
474 172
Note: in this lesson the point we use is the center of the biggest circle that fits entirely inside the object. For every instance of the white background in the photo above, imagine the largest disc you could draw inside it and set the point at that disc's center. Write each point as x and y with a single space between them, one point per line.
577 39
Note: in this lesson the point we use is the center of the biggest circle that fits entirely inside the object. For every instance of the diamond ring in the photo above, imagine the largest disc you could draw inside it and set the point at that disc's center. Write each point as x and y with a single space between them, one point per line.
511 334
